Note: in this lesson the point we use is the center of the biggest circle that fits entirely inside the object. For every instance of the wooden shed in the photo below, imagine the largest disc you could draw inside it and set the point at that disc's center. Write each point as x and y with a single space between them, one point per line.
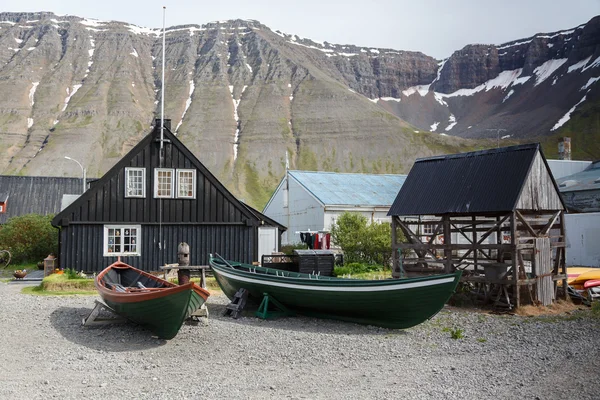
496 214
157 196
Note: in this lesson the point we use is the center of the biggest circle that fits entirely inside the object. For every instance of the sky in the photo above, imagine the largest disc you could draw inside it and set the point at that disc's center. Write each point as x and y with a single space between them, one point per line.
434 27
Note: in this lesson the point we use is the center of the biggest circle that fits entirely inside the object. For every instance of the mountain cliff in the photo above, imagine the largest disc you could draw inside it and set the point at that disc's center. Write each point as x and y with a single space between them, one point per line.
241 96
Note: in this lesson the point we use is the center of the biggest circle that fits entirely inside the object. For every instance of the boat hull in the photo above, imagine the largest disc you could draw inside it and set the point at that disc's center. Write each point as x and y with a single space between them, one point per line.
162 308
400 303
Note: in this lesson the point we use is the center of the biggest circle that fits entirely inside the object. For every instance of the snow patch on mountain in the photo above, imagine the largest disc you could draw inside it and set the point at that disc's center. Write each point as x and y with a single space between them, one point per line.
32 92
421 89
594 64
70 94
579 65
567 116
451 122
434 126
546 70
512 91
589 83
188 102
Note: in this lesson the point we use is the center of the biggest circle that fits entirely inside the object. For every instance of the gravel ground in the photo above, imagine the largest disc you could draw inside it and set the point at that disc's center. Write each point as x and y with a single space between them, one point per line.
46 353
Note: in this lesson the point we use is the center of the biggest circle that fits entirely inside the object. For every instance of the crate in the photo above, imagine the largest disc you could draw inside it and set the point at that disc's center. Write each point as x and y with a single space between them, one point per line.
315 261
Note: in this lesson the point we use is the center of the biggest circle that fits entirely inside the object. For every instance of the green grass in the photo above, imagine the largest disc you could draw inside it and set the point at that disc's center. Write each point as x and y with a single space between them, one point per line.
455 333
584 130
40 291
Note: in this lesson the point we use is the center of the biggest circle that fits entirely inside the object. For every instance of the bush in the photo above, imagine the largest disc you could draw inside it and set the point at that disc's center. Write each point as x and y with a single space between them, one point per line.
29 237
363 242
356 268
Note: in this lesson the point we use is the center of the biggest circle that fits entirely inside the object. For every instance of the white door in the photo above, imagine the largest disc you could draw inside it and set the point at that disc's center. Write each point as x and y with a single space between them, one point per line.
267 241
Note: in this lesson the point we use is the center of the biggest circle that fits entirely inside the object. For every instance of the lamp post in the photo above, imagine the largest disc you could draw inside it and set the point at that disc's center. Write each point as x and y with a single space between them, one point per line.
82 171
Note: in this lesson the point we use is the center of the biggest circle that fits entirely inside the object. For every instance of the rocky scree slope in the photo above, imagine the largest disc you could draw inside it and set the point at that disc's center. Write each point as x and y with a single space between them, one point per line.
241 95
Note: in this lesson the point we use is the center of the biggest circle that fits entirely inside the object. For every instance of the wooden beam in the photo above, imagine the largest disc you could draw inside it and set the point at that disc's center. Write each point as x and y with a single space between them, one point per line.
525 223
513 241
548 226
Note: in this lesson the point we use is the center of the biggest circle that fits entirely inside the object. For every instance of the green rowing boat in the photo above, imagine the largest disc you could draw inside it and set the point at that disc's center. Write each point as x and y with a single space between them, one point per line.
390 303
147 300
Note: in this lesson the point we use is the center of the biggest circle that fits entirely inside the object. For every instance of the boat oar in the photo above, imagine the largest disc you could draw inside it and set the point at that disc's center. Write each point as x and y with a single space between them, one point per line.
224 260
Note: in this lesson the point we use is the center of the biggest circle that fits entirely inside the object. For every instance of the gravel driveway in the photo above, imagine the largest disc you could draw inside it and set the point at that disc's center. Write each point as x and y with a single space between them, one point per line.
46 353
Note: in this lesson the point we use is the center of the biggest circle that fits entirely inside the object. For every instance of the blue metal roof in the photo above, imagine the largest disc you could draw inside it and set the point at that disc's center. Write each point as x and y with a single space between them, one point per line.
332 188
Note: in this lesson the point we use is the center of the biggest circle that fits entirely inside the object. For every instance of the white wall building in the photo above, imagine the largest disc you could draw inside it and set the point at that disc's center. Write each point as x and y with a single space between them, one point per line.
311 201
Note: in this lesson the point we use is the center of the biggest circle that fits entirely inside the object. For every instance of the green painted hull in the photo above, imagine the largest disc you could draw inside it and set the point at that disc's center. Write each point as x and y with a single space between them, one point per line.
163 316
148 300
397 303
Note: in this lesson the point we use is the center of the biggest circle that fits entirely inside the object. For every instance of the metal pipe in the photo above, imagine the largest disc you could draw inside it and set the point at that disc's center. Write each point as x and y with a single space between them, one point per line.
82 171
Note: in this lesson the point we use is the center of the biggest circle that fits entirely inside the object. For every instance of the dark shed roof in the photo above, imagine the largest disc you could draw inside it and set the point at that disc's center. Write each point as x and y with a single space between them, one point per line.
35 194
487 181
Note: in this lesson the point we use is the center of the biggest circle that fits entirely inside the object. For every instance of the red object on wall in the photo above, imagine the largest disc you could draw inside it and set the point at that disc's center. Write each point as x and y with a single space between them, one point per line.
2 208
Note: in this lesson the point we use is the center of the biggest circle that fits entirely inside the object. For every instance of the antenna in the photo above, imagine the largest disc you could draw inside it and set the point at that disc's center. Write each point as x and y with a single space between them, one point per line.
162 89
162 127
497 134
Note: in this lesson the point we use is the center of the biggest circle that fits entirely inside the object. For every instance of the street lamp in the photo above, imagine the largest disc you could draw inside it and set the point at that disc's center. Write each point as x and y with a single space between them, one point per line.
82 170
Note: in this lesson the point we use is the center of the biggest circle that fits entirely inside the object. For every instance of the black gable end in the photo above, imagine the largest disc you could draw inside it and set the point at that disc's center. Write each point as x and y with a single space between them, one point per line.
105 201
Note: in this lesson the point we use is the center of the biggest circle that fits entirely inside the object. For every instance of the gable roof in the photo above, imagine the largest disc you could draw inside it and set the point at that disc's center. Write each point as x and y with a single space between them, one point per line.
333 188
35 194
154 136
487 181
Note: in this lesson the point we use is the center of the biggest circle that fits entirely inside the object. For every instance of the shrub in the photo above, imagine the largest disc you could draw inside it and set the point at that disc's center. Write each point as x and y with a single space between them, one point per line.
356 268
363 242
29 237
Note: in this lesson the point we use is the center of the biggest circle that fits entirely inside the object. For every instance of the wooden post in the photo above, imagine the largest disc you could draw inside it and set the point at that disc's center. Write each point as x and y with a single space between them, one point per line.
474 229
447 244
563 261
395 261
515 260
183 258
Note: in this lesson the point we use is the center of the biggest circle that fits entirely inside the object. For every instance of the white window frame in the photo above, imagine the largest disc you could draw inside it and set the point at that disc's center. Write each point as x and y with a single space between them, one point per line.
178 193
428 229
171 192
124 236
143 171
1 208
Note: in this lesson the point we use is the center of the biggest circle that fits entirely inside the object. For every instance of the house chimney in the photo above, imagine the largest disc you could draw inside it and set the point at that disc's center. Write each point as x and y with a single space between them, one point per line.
167 123
564 148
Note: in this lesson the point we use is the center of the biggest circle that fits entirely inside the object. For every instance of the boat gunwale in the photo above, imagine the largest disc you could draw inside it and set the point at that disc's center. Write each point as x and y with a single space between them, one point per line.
324 283
133 297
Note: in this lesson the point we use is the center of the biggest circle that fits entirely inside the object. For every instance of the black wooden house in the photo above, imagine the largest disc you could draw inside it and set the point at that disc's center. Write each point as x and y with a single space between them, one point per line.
149 202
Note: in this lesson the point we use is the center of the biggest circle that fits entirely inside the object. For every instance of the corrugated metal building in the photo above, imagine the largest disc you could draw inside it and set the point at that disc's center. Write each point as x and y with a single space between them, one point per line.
562 168
20 195
312 200
147 204
507 192
581 194
581 191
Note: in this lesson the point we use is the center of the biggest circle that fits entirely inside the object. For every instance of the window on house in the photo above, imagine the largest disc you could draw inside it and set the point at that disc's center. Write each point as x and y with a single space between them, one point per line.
1 208
135 185
428 229
186 183
163 183
122 240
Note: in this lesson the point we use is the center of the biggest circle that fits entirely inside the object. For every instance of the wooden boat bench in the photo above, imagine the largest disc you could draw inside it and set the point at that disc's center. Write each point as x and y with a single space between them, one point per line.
192 268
